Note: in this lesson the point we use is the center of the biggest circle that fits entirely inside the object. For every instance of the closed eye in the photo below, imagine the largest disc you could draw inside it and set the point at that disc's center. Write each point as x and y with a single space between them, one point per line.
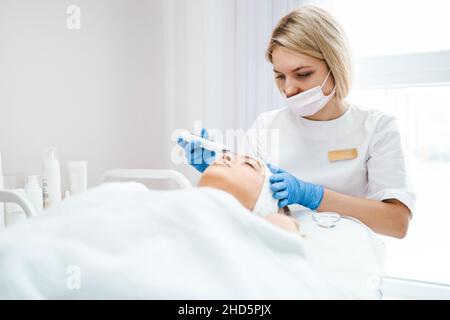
253 164
248 163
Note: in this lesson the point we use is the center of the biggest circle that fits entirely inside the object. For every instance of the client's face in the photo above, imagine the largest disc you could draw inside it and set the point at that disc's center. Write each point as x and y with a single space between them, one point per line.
242 176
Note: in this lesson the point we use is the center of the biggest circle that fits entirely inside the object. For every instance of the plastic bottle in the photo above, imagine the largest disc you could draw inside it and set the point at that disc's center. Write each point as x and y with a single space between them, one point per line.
77 176
34 192
51 181
45 197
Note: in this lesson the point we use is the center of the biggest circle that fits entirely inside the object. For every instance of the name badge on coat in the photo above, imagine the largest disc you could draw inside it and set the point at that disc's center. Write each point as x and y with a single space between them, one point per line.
340 155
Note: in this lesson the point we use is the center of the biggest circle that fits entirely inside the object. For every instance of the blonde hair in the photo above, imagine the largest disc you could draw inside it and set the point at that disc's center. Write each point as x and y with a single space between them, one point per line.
312 31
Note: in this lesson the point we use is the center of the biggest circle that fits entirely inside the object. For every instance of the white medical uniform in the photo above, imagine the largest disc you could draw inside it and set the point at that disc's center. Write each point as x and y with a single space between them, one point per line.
378 172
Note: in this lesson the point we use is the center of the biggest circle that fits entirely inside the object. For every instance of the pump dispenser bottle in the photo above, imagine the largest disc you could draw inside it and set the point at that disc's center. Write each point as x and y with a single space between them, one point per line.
51 180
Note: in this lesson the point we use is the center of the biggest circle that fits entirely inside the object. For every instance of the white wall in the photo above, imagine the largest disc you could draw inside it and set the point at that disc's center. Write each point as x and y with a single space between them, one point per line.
94 93
216 73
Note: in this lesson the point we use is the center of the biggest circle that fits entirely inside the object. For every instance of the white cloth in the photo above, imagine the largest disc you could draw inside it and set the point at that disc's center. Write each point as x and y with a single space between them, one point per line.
265 204
122 241
378 173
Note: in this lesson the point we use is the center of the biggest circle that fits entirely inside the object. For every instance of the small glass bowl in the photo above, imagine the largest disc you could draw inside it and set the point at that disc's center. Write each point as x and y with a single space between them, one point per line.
326 220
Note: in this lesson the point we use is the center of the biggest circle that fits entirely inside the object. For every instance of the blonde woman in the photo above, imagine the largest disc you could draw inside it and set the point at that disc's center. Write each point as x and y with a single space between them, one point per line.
335 156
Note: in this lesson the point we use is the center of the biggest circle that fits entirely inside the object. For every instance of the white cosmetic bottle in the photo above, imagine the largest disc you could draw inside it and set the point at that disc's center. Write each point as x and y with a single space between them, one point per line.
34 192
51 181
77 176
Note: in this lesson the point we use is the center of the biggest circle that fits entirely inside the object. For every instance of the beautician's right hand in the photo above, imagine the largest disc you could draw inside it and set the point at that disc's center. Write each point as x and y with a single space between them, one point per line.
197 156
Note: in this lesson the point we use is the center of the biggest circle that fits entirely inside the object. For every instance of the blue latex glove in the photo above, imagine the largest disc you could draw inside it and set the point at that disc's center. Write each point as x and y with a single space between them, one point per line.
196 156
287 189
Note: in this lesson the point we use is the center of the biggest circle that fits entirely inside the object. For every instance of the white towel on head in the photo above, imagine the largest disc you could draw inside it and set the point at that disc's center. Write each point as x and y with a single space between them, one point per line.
266 204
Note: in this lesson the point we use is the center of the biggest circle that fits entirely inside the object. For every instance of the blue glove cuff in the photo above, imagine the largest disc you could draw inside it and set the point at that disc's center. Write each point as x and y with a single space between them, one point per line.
319 192
312 195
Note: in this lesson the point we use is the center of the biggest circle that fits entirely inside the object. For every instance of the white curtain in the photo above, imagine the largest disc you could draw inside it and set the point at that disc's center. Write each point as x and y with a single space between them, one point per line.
216 74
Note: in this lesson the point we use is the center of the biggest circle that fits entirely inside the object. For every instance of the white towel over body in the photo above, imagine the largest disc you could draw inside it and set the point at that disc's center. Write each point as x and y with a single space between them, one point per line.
123 241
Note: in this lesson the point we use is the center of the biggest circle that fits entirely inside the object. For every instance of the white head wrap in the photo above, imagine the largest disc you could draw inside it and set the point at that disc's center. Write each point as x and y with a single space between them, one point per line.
266 203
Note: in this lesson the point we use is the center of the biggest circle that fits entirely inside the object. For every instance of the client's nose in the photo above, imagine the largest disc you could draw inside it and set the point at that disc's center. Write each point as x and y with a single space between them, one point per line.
228 156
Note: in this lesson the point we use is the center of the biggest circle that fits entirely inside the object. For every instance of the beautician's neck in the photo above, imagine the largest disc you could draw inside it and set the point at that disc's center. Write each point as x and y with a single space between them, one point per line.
331 111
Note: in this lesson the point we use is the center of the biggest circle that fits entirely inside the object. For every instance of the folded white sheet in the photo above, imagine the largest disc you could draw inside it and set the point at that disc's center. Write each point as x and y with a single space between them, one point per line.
123 241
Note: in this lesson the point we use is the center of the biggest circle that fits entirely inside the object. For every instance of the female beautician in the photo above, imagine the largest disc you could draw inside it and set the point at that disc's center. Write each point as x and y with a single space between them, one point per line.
335 156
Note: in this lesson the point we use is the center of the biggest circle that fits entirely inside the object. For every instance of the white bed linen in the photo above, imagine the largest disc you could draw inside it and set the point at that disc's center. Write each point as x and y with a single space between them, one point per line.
130 242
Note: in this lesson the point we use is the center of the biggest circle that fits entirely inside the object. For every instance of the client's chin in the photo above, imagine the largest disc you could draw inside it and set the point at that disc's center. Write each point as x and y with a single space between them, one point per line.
220 178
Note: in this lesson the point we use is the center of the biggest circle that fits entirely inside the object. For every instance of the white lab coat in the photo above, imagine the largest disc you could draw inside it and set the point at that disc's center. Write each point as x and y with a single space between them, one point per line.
301 146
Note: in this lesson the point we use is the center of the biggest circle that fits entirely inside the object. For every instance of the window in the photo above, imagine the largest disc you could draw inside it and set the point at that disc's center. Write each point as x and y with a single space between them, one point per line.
423 115
403 67
386 27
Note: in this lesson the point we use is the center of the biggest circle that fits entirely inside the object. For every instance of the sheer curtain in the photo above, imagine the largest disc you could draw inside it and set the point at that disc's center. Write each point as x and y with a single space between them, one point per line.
216 74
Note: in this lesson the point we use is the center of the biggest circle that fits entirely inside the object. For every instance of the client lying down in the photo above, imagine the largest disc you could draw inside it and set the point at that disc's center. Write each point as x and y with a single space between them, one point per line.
122 240
247 179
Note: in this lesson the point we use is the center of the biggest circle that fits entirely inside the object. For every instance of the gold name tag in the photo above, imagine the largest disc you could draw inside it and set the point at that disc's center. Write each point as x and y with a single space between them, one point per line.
339 155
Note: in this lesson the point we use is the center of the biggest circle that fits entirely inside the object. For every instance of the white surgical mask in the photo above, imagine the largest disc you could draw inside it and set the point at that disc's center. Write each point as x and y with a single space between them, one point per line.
309 102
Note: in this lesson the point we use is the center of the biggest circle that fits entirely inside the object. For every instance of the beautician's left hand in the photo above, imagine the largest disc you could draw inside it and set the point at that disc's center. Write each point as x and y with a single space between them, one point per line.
289 190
